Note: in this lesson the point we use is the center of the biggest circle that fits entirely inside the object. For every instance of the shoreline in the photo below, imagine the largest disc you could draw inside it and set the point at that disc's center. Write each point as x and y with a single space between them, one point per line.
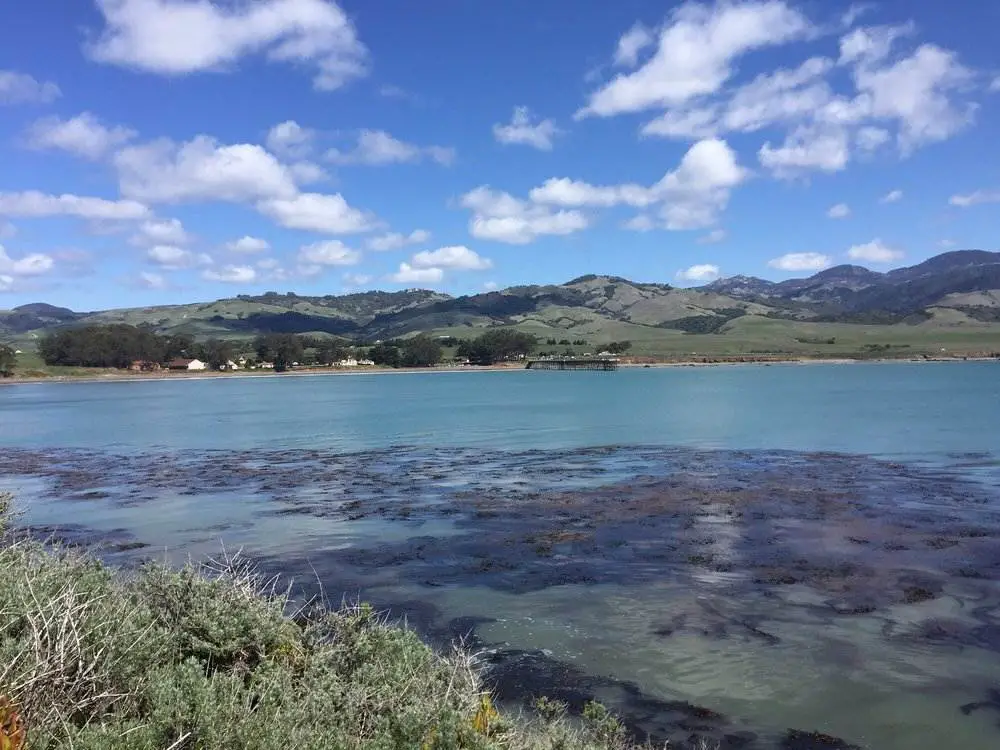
125 376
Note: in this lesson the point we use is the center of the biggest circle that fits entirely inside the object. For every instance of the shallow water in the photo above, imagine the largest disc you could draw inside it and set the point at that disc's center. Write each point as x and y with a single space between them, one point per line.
727 552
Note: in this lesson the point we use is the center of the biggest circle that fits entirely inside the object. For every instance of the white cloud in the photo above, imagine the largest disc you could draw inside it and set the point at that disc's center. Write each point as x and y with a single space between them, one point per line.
839 211
21 88
175 258
500 216
291 140
892 196
458 257
150 280
520 130
248 245
84 135
701 272
33 264
231 274
698 190
160 232
307 172
695 54
807 148
201 170
357 279
639 223
946 244
176 37
915 92
396 240
268 263
378 148
407 274
6 283
801 262
870 138
716 235
491 286
36 205
317 212
874 252
699 122
328 253
631 43
690 196
975 198
871 44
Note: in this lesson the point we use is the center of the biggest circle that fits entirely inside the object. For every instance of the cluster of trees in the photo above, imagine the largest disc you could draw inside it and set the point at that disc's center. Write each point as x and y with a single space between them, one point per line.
8 361
619 347
114 345
566 342
499 345
419 351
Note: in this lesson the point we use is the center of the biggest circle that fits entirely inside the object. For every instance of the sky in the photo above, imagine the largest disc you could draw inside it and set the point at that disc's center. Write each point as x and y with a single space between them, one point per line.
168 151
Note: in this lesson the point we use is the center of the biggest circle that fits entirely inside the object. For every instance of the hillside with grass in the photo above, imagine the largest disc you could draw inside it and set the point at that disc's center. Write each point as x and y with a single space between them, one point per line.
947 304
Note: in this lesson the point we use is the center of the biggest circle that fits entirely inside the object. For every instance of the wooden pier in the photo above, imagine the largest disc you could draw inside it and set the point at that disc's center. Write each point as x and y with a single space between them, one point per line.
605 364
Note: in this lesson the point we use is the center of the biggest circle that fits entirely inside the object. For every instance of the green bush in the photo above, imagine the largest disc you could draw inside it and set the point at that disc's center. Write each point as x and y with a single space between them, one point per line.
216 657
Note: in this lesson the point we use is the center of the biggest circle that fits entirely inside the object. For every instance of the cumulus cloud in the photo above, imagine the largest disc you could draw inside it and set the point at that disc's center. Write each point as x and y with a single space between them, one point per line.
328 253
291 140
801 262
700 272
713 237
160 232
521 130
689 197
32 264
201 170
231 274
150 280
807 148
33 204
21 88
870 138
874 252
248 245
378 148
491 286
6 283
502 217
975 198
839 211
396 240
317 212
695 54
84 135
177 37
631 44
407 274
457 257
175 258
892 196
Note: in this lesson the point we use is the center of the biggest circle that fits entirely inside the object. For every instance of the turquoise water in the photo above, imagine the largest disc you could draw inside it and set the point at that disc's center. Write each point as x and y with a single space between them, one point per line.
915 410
793 546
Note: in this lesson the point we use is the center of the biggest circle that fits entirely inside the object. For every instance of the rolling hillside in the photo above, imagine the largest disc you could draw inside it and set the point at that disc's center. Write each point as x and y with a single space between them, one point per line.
951 301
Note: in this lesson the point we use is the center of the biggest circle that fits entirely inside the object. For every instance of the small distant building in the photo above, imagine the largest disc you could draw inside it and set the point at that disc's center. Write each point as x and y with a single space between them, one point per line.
348 362
266 365
366 363
144 365
230 365
187 364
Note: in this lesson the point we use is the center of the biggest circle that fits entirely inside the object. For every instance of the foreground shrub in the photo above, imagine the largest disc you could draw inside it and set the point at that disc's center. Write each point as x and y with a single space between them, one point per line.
215 657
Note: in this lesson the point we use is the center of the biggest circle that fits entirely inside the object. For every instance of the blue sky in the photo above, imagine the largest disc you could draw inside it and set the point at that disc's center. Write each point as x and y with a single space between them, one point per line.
157 151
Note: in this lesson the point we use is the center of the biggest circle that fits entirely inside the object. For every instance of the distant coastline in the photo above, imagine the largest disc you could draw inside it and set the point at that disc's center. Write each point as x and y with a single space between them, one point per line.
125 376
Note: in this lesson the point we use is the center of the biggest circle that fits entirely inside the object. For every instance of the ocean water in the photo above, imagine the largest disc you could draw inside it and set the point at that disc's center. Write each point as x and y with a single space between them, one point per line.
807 547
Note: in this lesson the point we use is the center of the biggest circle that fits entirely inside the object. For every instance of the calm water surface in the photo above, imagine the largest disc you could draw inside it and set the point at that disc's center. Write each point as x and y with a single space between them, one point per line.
810 547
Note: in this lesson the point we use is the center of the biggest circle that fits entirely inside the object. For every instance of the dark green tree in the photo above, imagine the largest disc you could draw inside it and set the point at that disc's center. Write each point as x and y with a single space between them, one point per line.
421 351
385 354
8 361
499 345
283 349
217 352
619 347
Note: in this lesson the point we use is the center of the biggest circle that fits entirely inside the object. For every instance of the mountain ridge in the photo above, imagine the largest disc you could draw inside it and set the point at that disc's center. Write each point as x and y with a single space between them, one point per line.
587 304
